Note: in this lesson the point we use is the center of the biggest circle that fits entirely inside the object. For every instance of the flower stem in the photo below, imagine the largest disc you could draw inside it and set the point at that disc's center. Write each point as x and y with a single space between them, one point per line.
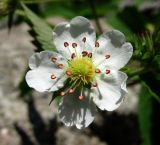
93 8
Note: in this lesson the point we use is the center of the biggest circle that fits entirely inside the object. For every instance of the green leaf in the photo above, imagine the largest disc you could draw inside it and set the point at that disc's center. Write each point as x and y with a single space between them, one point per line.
154 95
40 30
152 83
145 115
146 56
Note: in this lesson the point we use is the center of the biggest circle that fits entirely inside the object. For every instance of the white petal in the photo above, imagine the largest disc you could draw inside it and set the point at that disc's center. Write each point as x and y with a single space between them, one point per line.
110 91
74 32
113 43
72 111
80 28
43 68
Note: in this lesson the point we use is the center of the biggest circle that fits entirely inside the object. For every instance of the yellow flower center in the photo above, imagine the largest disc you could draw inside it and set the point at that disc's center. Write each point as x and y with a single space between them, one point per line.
82 70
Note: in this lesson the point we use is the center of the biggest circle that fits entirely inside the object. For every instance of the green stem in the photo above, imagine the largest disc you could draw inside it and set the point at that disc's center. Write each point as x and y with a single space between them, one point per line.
93 8
154 95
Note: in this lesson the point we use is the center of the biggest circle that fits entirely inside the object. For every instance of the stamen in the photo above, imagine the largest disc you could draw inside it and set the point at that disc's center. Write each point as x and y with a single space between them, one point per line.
53 76
90 99
97 44
62 94
98 71
71 91
74 45
90 55
107 56
66 44
94 84
69 73
60 66
84 39
84 53
107 71
80 98
73 55
81 78
53 59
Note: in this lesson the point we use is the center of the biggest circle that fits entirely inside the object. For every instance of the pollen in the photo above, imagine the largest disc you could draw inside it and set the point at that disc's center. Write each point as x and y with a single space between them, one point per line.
84 53
80 98
73 55
107 56
71 91
62 94
82 70
68 72
53 59
107 71
90 55
66 44
53 76
97 44
97 71
74 45
84 39
94 85
60 66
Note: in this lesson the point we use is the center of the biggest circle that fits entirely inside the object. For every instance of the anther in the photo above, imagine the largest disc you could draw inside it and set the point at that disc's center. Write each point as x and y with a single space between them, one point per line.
97 44
73 55
84 39
69 73
60 66
107 56
62 94
74 45
107 71
84 53
90 55
80 98
94 84
66 44
53 59
71 91
97 71
53 76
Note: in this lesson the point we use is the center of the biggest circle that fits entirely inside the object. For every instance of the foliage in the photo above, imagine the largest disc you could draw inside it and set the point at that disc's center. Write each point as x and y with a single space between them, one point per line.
42 32
145 115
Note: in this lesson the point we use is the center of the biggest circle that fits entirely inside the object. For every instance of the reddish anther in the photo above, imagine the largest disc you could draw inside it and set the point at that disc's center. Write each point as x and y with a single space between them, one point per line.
60 66
80 98
73 55
94 85
66 44
53 76
107 71
84 39
97 71
71 91
90 55
62 94
97 44
74 45
53 59
84 53
107 56
69 73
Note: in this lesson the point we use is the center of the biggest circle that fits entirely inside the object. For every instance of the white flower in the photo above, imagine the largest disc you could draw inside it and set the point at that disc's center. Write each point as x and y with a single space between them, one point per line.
85 68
